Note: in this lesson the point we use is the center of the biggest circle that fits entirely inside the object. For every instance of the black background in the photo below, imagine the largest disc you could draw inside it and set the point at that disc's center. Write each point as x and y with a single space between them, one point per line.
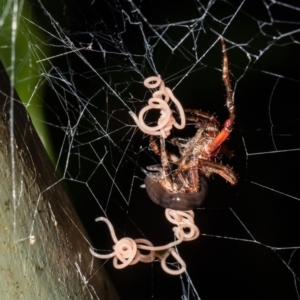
244 228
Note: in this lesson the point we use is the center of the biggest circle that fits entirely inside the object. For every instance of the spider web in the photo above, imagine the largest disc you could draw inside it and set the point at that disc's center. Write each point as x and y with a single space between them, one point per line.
249 246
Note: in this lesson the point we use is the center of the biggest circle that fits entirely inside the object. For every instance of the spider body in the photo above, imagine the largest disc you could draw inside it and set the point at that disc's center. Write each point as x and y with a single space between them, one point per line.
179 182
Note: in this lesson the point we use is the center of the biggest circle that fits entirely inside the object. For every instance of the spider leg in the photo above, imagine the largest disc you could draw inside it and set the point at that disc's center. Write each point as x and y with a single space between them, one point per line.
165 164
197 115
207 167
180 143
213 146
154 146
227 83
194 179
189 180
224 171
184 182
165 169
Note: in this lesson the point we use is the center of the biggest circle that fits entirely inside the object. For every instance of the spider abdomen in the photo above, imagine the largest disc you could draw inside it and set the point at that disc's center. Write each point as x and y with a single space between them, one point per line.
176 201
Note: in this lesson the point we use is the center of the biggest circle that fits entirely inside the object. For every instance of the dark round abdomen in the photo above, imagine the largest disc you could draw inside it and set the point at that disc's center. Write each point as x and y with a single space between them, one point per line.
176 201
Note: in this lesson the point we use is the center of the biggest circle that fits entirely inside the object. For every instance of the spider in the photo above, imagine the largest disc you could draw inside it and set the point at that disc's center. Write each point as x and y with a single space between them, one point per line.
180 183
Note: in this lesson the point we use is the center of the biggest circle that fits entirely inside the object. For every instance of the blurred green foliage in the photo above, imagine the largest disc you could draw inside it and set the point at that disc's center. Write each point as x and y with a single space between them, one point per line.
19 57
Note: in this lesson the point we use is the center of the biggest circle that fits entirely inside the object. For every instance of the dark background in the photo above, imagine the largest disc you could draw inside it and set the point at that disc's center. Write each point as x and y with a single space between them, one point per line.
249 232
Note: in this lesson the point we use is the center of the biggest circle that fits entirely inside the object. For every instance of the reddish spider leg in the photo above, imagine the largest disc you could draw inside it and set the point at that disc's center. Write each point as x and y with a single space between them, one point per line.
223 135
